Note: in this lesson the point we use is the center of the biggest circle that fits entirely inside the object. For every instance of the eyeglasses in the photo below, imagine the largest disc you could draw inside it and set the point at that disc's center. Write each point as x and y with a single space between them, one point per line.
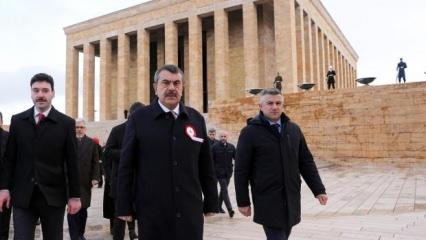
167 83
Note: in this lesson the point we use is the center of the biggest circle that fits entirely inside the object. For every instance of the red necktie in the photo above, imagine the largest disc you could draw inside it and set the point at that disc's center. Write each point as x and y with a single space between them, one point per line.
40 118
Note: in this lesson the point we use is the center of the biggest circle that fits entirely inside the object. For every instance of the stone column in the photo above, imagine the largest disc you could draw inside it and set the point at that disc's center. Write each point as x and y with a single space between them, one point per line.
71 93
300 33
315 57
105 83
143 67
171 42
285 43
89 82
308 48
322 62
195 77
221 53
122 74
251 46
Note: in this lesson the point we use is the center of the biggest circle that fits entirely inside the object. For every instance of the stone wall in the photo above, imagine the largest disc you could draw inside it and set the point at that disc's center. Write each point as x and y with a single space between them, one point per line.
377 123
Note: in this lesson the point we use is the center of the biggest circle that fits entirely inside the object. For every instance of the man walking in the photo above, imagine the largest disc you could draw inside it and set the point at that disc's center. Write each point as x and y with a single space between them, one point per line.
167 154
5 215
223 153
88 166
41 145
271 155
112 159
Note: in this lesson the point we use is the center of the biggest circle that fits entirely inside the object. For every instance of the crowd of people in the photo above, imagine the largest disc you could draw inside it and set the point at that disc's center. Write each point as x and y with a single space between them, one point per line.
162 168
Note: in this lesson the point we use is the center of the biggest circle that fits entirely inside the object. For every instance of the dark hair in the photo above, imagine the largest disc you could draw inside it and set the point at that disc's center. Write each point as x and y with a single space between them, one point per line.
135 106
212 130
42 77
1 116
170 68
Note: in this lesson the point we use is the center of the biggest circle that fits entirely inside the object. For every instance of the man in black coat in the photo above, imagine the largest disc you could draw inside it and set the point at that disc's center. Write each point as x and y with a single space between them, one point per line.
271 155
5 215
166 152
212 137
88 166
223 153
40 173
112 159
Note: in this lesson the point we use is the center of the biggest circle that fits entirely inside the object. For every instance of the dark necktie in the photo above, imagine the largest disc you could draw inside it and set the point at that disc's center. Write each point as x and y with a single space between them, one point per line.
277 127
40 117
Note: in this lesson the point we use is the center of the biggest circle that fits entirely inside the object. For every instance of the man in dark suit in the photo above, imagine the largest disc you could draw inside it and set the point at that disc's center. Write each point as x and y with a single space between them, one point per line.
166 156
40 173
271 155
112 159
4 216
223 153
88 166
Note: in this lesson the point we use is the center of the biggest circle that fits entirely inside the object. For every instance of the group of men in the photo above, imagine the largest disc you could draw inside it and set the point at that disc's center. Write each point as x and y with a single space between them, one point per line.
166 171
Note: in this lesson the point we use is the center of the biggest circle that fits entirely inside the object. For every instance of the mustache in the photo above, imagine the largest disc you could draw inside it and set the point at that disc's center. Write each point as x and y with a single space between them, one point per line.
171 94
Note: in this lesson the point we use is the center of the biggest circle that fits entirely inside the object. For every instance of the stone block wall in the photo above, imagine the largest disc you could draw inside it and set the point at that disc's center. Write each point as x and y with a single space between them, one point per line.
377 123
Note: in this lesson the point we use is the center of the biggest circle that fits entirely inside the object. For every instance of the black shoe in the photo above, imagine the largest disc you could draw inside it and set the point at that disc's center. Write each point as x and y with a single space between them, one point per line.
221 210
132 235
231 213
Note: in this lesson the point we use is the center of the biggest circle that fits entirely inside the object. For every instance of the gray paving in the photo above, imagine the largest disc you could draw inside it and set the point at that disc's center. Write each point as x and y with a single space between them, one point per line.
366 201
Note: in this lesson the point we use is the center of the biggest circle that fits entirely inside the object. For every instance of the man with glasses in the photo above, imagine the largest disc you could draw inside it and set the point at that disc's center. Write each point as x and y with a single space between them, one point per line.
88 166
166 157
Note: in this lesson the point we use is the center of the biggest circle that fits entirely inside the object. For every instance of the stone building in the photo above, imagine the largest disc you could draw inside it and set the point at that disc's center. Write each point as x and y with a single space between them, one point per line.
224 46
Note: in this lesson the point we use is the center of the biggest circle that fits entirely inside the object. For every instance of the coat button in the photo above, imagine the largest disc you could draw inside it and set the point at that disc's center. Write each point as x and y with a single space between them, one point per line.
177 189
178 215
175 163
174 138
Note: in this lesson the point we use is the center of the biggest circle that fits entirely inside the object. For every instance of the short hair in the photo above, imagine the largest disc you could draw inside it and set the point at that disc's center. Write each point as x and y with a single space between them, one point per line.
135 106
170 68
269 91
80 120
42 77
1 116
212 130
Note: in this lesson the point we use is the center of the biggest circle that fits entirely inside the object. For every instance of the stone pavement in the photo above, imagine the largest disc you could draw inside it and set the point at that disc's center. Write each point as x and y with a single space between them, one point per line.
366 201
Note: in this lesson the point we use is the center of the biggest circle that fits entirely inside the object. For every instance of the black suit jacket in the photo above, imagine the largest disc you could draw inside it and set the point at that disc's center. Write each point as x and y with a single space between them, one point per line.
172 172
43 155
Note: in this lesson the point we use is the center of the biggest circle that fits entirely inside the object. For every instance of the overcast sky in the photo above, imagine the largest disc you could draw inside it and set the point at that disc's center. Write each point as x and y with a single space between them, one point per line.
32 40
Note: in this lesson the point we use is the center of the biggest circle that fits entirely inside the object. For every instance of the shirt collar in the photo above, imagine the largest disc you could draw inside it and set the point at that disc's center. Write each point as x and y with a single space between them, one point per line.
272 123
165 109
45 113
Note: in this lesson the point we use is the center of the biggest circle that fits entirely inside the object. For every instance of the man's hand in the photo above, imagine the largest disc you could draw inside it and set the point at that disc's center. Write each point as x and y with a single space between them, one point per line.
74 205
95 182
126 218
322 198
209 214
4 199
246 211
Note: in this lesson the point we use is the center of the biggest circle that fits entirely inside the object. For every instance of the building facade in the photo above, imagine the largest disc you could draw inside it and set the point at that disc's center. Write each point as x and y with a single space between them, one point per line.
225 47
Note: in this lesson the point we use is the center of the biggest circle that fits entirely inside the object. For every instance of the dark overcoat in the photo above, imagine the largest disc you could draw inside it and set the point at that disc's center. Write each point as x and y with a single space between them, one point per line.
271 163
88 166
174 176
110 161
3 141
222 158
39 155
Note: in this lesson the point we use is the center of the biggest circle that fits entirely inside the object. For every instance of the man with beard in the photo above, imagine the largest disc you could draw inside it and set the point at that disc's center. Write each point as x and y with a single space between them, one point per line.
272 154
166 156
41 146
88 166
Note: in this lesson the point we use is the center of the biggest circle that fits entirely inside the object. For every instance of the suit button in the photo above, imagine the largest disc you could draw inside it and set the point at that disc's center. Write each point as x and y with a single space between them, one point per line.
174 138
178 215
32 180
175 163
177 189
